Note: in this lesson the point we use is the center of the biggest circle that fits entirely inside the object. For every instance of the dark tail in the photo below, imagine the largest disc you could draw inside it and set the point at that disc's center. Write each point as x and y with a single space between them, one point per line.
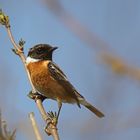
91 108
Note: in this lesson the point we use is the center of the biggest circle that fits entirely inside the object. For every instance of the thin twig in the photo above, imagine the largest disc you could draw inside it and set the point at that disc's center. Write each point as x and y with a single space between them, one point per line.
51 127
22 56
52 130
35 127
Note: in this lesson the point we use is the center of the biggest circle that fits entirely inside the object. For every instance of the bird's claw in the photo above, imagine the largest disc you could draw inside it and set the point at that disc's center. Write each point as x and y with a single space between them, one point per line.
53 117
36 96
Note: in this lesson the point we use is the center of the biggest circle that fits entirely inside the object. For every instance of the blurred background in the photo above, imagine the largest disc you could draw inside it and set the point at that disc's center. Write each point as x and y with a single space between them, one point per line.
99 52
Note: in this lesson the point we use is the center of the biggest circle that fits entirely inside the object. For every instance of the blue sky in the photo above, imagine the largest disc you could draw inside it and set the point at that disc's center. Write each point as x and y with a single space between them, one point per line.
114 22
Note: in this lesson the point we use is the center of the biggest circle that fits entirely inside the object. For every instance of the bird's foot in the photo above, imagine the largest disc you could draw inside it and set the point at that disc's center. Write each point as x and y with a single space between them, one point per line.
53 117
52 120
36 96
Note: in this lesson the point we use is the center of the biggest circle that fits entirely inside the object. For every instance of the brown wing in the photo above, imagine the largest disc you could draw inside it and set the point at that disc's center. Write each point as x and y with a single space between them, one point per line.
61 78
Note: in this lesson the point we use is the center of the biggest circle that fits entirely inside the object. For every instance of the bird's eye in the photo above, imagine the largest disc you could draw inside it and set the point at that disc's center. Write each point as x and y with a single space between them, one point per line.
39 51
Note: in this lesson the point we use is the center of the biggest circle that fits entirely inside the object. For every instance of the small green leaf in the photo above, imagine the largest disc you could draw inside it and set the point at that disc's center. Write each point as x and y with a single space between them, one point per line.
21 42
15 51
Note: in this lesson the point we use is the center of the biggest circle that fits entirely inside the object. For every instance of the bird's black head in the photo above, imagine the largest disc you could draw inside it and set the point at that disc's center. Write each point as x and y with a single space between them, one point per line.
41 51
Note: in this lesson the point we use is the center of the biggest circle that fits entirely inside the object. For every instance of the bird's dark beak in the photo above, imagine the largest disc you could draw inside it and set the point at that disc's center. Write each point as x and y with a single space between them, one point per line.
53 48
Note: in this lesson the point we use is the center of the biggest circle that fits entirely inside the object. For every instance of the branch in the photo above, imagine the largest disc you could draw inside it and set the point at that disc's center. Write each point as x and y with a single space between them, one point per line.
5 134
34 125
18 50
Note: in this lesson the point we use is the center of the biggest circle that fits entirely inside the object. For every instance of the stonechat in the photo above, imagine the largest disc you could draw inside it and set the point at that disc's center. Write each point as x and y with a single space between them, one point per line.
50 81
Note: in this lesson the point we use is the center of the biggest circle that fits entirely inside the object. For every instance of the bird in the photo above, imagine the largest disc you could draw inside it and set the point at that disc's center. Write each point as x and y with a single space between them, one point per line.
50 81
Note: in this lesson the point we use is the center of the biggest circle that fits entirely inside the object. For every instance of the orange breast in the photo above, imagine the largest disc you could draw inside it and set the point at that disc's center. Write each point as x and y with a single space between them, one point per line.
45 84
38 72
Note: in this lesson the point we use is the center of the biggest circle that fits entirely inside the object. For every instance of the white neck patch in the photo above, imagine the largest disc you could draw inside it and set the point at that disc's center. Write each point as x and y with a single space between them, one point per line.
31 60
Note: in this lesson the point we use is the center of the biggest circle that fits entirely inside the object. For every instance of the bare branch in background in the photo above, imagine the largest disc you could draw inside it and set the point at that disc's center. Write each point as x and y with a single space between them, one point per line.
34 125
4 133
120 67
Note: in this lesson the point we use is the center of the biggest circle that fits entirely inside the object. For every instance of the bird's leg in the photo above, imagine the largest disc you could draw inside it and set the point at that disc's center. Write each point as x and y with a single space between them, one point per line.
54 116
59 108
